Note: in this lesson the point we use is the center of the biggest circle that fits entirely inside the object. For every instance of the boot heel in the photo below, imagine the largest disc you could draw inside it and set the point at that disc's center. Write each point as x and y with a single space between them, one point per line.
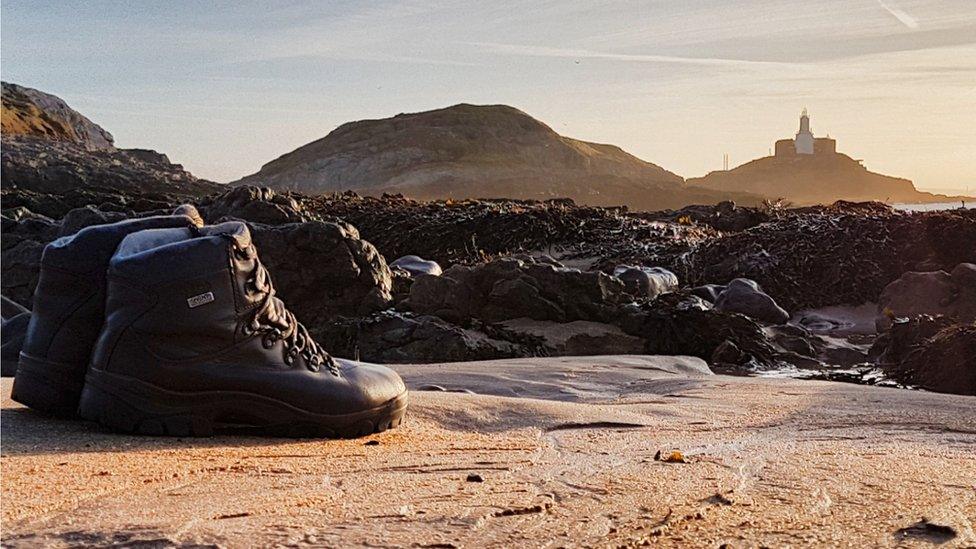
119 414
48 387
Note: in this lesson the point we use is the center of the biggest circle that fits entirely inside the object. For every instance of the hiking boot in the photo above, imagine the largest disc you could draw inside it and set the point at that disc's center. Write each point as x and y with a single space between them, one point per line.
68 313
196 341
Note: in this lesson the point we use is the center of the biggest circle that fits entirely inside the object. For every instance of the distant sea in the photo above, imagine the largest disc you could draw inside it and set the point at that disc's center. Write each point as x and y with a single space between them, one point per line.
933 206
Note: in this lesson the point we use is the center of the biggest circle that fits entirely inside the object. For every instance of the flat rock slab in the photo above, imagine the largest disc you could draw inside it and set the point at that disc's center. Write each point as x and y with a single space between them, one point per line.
771 462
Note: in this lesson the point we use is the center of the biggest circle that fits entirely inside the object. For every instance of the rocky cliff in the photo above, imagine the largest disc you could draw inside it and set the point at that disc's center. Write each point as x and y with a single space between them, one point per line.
32 113
472 151
815 179
50 148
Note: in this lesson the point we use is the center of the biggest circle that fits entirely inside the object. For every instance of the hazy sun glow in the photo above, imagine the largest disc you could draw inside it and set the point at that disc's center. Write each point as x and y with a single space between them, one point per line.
225 87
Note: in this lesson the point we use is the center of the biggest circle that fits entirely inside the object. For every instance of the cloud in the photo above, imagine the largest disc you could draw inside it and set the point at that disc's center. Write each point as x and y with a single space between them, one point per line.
900 15
544 51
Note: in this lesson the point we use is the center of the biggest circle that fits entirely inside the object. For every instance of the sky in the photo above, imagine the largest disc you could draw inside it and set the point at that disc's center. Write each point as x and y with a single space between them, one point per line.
223 87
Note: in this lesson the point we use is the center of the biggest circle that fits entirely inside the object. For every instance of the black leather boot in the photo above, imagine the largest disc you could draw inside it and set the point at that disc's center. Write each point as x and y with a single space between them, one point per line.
69 310
196 341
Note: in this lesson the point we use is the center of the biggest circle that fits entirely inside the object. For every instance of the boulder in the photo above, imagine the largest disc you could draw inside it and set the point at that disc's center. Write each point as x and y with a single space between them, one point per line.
257 205
416 265
322 271
932 353
646 282
79 218
746 297
579 337
932 293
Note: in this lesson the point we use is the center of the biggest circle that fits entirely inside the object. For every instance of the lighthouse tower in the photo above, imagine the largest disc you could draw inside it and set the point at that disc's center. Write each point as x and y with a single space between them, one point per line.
804 137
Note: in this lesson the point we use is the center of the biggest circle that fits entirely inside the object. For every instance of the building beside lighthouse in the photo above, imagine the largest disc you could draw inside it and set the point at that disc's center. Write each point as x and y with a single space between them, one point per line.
805 143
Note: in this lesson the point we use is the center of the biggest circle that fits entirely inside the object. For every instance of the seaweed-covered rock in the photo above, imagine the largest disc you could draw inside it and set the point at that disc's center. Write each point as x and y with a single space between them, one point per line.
933 293
79 218
744 296
391 337
933 353
724 216
578 338
823 256
683 324
323 271
471 231
55 167
257 205
504 289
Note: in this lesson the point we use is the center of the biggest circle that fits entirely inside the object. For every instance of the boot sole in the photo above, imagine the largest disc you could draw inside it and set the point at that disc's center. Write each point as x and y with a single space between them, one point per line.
129 405
46 386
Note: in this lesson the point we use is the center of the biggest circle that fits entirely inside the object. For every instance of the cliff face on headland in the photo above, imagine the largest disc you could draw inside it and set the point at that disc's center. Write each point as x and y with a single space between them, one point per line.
34 114
48 147
815 179
471 151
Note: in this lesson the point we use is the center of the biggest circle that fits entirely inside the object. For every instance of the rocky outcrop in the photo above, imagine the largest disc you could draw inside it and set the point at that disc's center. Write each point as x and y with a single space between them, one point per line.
472 151
469 231
505 289
255 204
933 353
391 337
323 270
683 324
935 293
810 259
813 179
54 159
31 113
724 216
577 338
35 164
504 296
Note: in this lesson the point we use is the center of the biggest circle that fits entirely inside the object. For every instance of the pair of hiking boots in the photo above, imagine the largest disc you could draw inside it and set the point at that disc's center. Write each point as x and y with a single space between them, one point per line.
165 326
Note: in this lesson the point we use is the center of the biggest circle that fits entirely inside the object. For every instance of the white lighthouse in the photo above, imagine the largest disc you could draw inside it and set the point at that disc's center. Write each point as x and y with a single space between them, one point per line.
804 138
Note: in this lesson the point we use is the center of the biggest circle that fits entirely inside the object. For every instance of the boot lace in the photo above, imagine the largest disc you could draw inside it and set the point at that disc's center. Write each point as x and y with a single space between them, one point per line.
276 323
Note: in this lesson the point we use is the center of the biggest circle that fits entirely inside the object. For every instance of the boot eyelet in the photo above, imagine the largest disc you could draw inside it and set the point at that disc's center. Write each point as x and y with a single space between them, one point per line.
268 341
291 355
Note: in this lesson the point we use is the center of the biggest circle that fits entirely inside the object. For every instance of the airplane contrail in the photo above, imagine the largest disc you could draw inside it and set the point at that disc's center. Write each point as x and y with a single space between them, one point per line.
900 15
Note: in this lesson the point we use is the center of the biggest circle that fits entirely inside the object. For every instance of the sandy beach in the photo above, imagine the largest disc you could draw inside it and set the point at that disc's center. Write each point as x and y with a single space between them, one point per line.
526 453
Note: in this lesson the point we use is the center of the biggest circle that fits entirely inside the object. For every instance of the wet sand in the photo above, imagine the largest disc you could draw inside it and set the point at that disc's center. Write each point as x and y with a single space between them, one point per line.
550 452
